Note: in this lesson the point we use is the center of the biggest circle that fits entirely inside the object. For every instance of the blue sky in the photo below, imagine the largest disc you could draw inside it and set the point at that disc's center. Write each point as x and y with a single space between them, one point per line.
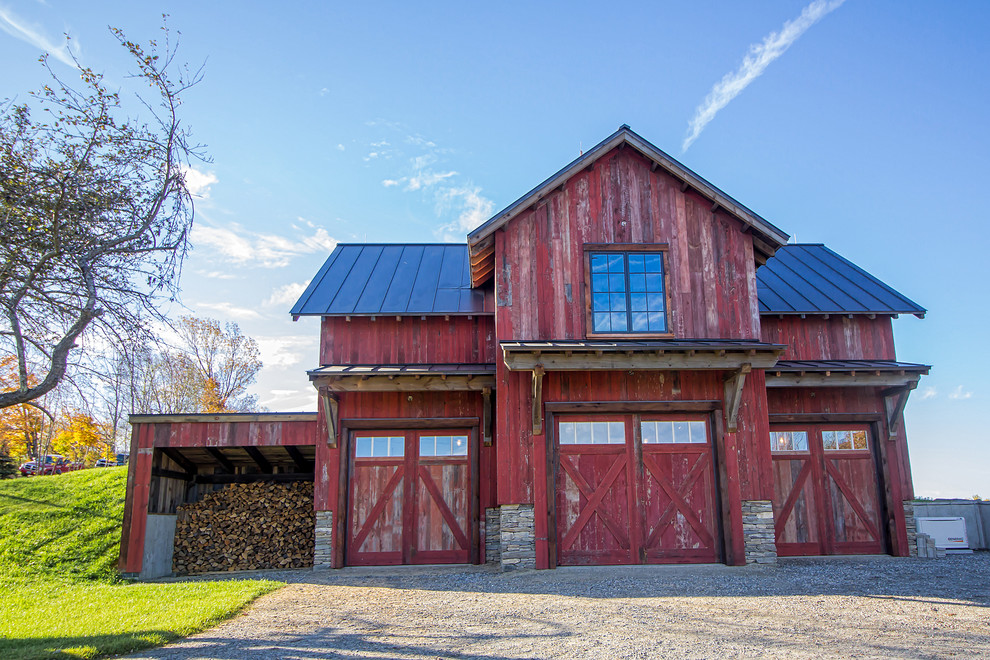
862 125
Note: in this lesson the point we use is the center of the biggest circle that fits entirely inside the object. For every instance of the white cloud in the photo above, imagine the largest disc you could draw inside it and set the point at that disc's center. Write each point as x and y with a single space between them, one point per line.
324 91
288 294
959 393
474 210
32 34
388 183
754 64
928 393
228 310
198 183
341 147
426 179
236 244
216 274
288 350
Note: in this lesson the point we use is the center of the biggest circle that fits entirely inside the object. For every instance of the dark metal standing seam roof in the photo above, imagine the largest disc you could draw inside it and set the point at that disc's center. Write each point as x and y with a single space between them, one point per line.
371 279
808 278
431 279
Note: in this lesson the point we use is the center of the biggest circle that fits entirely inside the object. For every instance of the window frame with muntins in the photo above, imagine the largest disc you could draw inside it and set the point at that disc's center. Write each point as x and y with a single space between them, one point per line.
627 250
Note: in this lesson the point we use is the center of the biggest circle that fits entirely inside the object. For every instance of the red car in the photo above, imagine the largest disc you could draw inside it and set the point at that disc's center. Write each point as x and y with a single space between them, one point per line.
53 464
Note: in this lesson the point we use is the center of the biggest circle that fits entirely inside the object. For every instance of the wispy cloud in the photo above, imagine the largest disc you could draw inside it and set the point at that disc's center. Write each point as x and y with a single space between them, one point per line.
754 64
198 183
216 274
928 393
287 294
34 35
960 393
288 350
474 210
234 243
227 310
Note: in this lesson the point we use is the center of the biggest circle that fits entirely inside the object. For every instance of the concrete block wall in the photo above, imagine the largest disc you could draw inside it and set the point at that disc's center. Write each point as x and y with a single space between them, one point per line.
976 513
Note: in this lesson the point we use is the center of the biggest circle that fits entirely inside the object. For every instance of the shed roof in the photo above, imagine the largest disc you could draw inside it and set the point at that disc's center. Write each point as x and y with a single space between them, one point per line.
434 279
809 278
400 279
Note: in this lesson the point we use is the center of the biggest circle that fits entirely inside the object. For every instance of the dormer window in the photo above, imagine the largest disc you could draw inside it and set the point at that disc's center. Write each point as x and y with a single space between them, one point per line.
627 290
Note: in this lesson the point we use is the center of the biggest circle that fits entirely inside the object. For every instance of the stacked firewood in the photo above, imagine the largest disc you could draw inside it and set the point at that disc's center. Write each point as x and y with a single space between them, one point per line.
246 527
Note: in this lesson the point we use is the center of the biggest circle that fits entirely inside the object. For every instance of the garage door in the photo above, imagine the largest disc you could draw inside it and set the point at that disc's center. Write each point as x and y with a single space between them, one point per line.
826 497
634 489
410 497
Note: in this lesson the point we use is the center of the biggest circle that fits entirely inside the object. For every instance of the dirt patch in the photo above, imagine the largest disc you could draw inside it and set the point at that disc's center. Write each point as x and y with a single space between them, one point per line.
864 608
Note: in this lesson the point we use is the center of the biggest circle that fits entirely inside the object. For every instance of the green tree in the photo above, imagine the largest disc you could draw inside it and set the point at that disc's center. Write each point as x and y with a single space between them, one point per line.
94 213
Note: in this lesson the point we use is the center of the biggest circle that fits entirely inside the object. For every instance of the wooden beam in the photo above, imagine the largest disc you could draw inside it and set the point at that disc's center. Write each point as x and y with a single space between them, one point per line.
841 379
259 459
171 474
330 412
406 383
486 416
221 459
177 456
893 404
223 417
638 361
302 464
252 478
538 399
734 383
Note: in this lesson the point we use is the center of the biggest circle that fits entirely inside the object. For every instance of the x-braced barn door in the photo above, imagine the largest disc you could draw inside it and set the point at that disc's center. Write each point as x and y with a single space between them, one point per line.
634 489
826 497
410 498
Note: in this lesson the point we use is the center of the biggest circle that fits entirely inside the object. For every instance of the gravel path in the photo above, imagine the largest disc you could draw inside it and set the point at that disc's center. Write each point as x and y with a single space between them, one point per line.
854 607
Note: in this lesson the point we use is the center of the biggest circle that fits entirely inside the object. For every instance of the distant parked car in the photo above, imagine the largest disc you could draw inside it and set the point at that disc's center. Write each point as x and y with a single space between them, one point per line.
28 469
122 459
56 464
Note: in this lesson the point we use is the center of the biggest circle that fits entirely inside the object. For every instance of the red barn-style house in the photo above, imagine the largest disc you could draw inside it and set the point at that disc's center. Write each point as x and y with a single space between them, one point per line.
624 366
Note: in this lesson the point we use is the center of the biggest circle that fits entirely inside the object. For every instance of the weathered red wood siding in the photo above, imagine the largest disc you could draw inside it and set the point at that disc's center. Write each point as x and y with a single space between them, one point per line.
391 406
834 338
413 340
862 401
539 269
146 436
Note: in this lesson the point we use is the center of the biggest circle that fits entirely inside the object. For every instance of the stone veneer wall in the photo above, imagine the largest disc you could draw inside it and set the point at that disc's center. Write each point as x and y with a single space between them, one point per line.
323 551
912 527
758 533
492 537
517 536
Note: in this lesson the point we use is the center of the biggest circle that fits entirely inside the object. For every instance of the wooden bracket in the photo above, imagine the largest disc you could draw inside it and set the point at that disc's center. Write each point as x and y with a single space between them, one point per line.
538 399
893 402
329 402
486 417
734 383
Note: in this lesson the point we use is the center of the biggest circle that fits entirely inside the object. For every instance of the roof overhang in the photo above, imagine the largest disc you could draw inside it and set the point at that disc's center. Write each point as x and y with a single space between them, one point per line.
766 236
846 373
404 378
687 355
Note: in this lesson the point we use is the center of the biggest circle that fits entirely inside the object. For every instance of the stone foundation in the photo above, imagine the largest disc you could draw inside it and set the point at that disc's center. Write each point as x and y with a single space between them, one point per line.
517 536
492 537
323 550
912 527
758 533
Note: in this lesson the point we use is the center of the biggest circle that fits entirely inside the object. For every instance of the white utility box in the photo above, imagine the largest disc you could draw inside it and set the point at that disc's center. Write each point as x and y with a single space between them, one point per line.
947 532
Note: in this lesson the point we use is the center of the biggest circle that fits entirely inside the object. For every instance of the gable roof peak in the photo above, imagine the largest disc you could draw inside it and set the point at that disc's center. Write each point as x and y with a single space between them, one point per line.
767 237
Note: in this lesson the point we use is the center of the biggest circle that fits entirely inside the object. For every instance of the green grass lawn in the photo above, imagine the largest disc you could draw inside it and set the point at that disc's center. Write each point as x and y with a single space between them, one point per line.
59 592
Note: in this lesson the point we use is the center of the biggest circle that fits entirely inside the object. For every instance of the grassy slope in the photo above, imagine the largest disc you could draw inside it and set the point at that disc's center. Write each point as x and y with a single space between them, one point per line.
59 593
65 526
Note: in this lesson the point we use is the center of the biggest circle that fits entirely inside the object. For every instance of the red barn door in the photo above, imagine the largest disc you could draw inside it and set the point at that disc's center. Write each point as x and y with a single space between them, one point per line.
634 489
410 498
826 495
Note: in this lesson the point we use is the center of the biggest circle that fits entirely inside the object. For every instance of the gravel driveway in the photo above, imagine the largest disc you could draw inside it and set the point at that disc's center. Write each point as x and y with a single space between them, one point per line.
853 607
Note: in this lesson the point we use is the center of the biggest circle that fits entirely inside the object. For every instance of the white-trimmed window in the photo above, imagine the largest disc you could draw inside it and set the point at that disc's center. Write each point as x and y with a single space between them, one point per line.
674 432
843 440
788 440
443 445
592 433
375 446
